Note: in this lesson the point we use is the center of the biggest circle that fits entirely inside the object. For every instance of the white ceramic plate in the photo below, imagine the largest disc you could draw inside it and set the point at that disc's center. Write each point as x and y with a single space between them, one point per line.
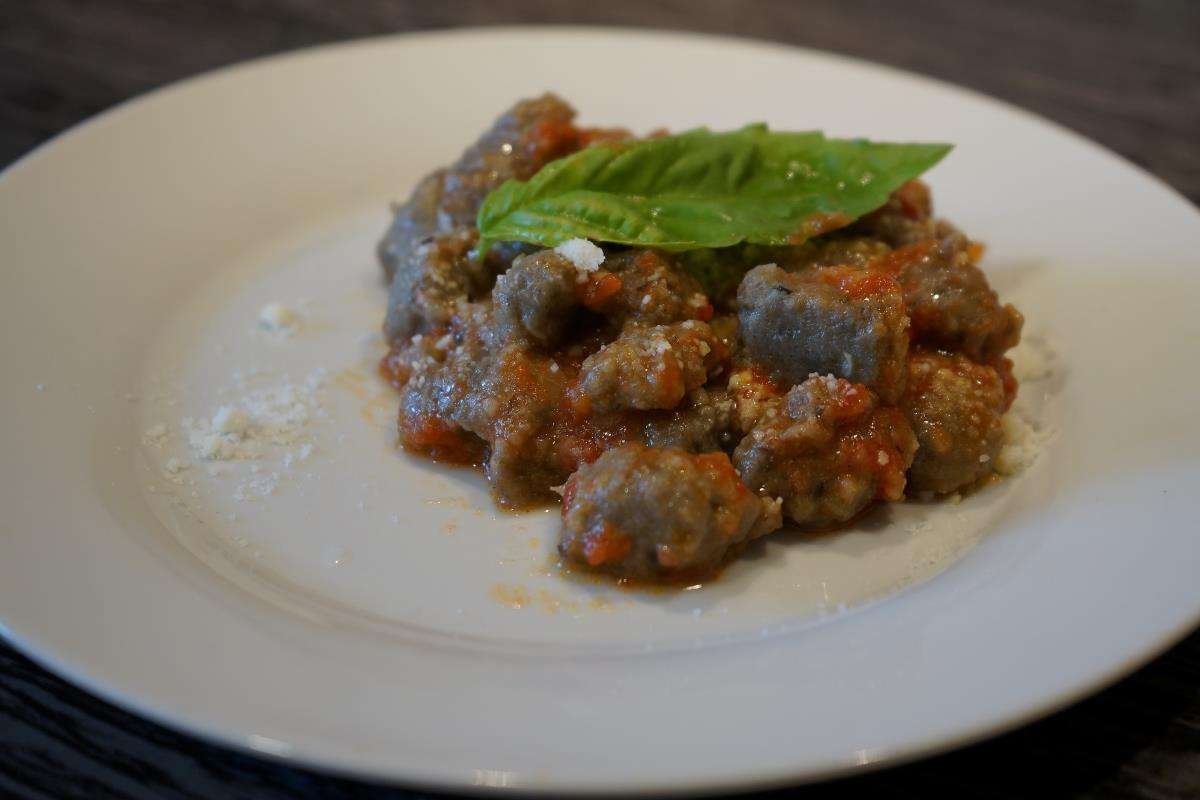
371 614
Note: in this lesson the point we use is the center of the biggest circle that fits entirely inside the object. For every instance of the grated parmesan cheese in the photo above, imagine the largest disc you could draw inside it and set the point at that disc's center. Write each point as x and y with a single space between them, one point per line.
256 486
230 420
1022 443
830 380
1033 360
155 435
586 256
1024 436
276 415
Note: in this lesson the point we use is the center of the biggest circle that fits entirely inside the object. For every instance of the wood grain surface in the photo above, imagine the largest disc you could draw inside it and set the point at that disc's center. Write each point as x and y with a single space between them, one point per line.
1126 74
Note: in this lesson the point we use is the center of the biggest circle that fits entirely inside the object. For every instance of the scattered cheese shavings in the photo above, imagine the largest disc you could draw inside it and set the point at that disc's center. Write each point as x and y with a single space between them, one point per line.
276 415
586 256
175 466
155 435
256 486
230 420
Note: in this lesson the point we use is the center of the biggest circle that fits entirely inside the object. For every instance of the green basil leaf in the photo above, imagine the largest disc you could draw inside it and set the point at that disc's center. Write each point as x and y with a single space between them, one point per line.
701 189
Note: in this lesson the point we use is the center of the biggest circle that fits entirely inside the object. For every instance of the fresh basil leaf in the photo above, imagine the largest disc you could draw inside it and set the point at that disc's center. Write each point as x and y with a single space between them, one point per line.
701 189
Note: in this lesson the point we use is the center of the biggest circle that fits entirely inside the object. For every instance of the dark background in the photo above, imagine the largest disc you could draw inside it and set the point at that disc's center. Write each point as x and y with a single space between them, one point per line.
1126 74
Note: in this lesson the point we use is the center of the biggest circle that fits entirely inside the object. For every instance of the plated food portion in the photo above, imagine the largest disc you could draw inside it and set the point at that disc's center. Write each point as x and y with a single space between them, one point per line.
691 341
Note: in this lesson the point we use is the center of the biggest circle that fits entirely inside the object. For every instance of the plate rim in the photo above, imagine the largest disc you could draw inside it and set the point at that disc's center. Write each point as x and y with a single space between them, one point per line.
930 747
381 40
46 658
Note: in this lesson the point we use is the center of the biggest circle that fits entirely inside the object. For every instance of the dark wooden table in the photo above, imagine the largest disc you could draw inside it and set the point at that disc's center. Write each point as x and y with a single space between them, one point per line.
1124 73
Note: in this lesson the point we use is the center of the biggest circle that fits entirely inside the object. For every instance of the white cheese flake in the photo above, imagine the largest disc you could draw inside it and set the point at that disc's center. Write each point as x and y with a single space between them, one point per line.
585 255
230 420
830 381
